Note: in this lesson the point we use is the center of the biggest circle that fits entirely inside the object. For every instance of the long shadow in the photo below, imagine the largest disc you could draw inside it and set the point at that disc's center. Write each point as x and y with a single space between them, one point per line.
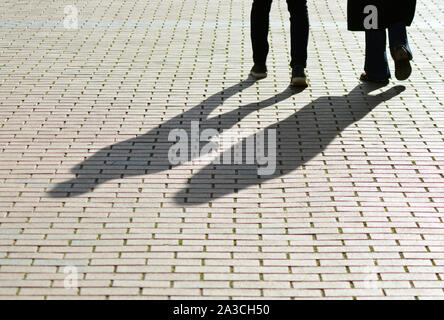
148 154
299 138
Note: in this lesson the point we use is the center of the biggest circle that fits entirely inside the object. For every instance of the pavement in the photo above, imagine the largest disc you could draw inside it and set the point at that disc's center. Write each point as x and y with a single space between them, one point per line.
92 208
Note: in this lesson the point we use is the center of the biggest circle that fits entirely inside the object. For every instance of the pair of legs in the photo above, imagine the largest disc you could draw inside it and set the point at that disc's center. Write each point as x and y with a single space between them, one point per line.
376 64
260 22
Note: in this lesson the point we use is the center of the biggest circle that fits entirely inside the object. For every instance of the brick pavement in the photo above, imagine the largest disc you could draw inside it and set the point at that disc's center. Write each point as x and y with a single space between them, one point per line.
354 209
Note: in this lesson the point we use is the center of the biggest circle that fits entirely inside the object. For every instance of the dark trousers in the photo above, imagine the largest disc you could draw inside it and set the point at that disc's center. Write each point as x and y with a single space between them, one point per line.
376 64
260 23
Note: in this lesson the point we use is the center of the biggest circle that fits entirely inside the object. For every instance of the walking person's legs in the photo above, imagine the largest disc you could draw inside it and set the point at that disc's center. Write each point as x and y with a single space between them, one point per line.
376 65
260 21
299 30
400 50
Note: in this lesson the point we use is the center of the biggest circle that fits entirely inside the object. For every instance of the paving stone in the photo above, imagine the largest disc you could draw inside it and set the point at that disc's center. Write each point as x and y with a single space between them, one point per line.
354 209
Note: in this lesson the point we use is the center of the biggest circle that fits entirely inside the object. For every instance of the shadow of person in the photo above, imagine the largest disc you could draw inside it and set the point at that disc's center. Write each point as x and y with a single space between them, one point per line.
148 153
299 138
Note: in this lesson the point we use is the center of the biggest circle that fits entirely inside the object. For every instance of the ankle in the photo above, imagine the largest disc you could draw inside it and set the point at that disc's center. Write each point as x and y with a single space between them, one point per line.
298 71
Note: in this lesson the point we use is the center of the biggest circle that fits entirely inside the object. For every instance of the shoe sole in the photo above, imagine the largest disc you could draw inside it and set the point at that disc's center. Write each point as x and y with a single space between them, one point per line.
259 75
299 82
403 69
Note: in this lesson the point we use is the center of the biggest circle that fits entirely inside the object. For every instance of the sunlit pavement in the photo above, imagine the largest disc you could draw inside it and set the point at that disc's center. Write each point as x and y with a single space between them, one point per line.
92 208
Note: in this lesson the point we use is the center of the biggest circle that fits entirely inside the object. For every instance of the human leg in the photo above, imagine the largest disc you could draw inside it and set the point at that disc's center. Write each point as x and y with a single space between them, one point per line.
400 50
376 64
299 32
259 22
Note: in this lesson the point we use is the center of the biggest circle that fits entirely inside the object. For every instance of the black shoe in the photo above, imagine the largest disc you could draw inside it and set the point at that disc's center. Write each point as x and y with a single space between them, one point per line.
259 72
366 78
402 58
298 77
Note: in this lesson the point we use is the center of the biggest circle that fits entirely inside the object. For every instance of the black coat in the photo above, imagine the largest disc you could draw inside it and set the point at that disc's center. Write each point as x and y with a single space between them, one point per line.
389 12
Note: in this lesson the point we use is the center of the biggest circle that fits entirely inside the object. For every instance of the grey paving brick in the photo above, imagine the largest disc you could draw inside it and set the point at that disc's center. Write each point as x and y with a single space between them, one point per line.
354 210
